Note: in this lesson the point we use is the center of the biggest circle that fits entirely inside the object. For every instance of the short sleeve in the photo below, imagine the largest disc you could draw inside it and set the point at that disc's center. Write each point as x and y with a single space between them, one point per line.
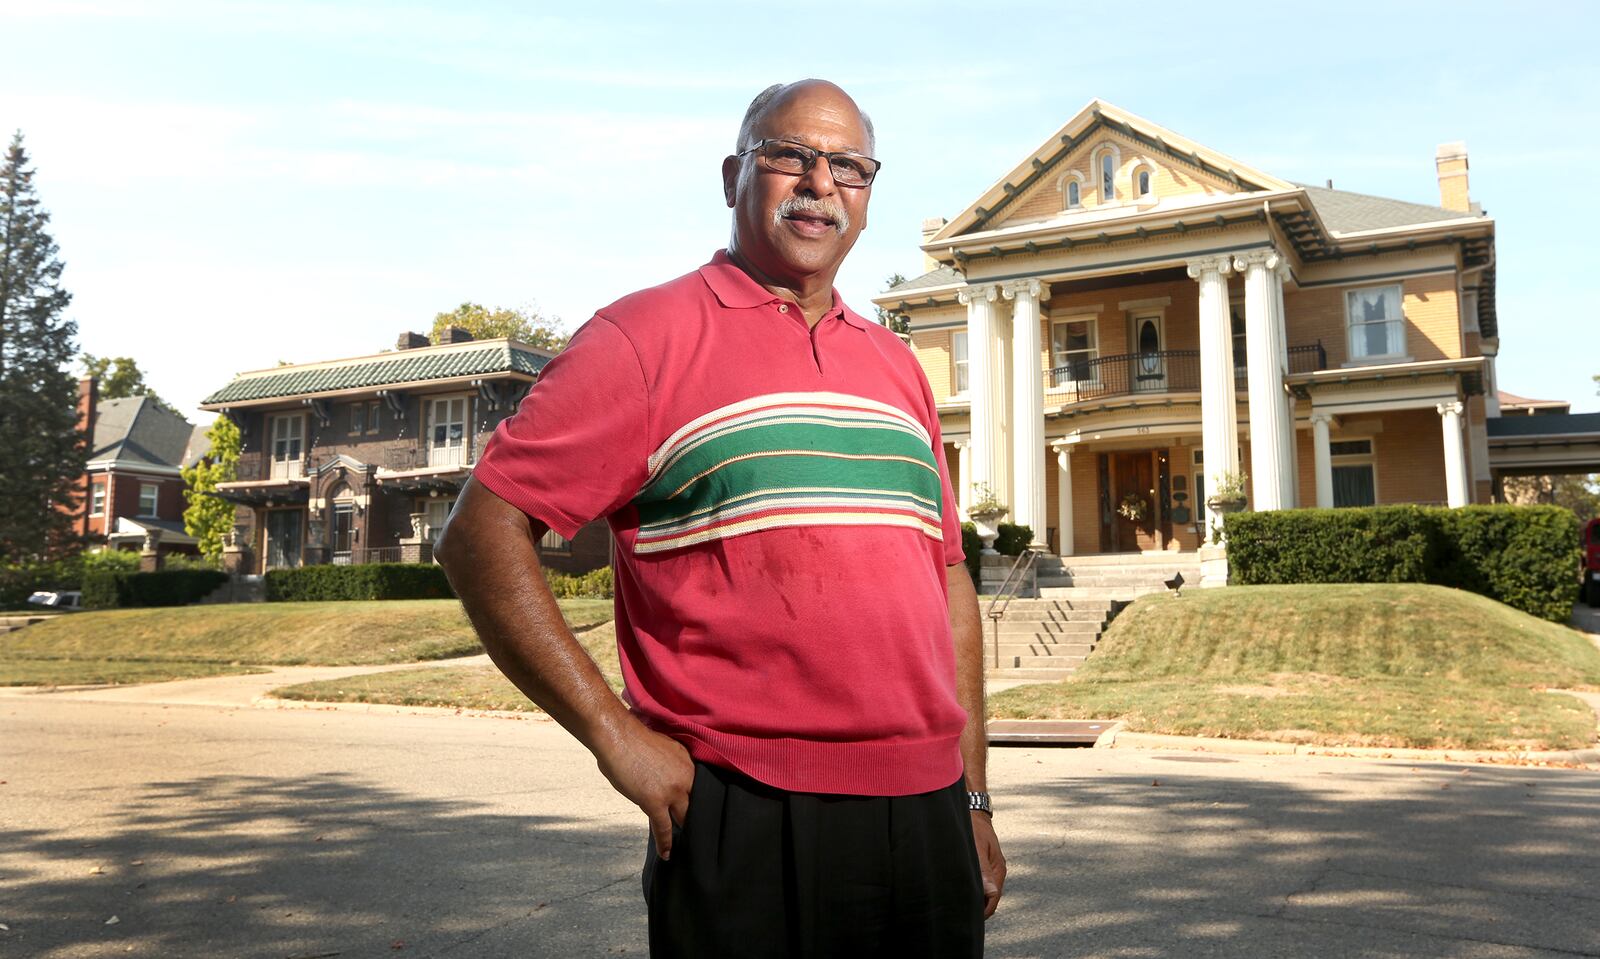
576 448
950 519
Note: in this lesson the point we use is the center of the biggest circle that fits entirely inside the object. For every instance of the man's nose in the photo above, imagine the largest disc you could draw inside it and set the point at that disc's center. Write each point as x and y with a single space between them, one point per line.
818 181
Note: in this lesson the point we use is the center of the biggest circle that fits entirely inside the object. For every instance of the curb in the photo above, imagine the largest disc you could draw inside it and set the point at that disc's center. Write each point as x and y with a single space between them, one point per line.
1573 758
392 709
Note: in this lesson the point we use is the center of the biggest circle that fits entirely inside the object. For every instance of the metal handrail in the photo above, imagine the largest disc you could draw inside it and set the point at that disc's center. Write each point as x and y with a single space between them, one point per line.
1022 567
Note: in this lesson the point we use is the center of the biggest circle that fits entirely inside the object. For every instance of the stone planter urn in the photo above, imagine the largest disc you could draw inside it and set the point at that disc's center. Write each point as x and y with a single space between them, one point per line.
1226 504
988 525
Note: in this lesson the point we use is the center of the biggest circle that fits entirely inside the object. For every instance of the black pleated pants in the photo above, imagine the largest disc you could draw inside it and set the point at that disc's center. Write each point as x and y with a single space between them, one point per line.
758 872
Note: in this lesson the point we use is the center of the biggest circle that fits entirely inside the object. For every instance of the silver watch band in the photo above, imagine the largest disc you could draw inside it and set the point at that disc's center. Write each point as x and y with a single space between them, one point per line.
979 802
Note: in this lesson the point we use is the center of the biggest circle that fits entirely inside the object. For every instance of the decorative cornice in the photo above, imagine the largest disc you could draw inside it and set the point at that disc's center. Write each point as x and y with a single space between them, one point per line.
986 291
1202 265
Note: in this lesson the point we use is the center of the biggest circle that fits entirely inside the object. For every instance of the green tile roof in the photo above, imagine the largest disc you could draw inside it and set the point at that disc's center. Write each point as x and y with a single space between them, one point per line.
485 359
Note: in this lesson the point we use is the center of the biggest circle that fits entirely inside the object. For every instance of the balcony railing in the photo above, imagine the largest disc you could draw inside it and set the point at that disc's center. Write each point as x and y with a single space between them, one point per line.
1166 371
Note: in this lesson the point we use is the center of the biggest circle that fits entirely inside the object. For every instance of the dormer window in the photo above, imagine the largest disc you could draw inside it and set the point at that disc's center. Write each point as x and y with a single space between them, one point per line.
1141 184
1074 195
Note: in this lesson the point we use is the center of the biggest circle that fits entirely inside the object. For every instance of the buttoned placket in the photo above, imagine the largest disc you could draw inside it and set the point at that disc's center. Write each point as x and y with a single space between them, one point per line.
794 314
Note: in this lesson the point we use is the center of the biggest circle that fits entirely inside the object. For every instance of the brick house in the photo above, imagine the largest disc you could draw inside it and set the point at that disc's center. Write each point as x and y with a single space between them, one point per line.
133 485
359 460
1127 316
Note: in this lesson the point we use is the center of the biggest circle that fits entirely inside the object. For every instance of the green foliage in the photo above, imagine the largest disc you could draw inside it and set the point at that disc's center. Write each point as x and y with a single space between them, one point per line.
1576 492
898 322
365 581
42 451
113 589
119 377
596 584
208 516
1013 539
115 560
18 581
519 324
1524 556
972 545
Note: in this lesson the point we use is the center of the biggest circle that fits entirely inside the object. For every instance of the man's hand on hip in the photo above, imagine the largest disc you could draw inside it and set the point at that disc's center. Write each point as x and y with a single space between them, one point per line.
990 861
655 773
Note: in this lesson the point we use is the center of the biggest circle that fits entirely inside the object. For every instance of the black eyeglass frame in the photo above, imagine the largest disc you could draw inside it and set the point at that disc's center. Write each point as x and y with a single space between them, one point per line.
811 155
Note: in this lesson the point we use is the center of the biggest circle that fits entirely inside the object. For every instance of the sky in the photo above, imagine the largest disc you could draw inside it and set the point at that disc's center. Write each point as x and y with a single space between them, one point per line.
235 184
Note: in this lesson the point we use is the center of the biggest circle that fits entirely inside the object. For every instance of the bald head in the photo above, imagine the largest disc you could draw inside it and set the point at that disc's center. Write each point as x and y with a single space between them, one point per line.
777 93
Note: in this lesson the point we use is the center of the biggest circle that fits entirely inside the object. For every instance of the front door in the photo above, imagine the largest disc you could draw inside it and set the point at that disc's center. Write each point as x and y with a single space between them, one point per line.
1134 502
283 538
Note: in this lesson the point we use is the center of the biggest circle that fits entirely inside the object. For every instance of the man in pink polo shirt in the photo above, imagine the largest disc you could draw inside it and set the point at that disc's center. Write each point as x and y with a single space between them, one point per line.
799 637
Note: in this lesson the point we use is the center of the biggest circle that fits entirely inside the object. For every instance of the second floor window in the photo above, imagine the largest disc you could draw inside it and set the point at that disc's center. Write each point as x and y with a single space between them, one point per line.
97 501
363 418
958 356
288 446
1072 348
1108 178
148 493
447 432
1377 325
1141 184
1074 195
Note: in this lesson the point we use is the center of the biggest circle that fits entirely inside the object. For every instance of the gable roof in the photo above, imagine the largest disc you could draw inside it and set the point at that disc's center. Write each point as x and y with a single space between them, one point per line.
943 276
137 431
1095 116
1347 212
477 358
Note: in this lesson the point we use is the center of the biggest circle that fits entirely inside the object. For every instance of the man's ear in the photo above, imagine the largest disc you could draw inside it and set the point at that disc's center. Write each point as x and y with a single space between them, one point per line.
730 179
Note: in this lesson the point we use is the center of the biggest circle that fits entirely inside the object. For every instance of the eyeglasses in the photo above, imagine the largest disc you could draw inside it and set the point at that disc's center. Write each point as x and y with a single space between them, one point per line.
796 159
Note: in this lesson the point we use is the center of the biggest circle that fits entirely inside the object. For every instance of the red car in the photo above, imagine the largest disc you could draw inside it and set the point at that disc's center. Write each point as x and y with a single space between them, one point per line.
1591 562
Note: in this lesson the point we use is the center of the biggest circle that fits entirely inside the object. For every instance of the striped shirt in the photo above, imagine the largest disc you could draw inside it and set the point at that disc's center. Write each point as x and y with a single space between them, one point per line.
783 519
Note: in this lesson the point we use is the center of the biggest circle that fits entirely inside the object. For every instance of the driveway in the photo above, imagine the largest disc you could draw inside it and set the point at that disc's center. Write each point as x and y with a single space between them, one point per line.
229 831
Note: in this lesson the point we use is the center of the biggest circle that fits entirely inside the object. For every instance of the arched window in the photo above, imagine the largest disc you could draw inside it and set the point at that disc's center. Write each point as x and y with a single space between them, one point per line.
1074 196
1141 183
1108 177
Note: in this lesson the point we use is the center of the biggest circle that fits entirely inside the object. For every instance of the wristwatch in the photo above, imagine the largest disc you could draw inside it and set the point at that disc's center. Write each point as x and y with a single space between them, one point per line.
979 802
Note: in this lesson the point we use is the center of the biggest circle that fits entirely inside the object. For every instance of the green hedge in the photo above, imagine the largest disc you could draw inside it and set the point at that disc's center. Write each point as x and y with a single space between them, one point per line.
1013 539
18 581
364 581
114 589
972 545
1524 556
596 584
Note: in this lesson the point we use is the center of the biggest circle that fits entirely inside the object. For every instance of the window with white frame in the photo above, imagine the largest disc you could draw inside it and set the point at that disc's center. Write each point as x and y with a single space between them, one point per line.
287 444
1141 183
97 500
1108 177
1073 347
958 357
148 496
358 418
437 511
1074 194
554 542
447 432
372 416
1355 473
1376 322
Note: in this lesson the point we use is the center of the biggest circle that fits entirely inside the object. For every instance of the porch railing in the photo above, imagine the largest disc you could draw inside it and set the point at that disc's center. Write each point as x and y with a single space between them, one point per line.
1165 371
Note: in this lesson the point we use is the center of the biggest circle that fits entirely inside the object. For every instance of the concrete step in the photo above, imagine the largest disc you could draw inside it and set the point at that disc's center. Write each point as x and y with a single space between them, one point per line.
1166 558
1034 674
1076 632
1069 622
1060 606
1045 653
1123 593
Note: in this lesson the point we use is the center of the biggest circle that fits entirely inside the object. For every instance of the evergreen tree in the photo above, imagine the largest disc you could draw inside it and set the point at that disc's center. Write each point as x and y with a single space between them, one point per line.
208 516
42 451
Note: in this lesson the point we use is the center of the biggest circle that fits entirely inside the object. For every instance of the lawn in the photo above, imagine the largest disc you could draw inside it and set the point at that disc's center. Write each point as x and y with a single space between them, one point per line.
106 672
1379 665
266 634
470 687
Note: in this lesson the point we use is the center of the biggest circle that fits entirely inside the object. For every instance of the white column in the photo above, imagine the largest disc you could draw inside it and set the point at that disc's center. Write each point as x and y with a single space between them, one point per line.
964 471
979 301
1000 402
1219 429
1280 330
1323 459
1269 458
1027 407
1455 464
1064 498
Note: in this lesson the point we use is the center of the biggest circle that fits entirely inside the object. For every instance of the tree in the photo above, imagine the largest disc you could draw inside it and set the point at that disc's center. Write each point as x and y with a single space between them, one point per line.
119 377
42 451
898 322
519 324
1576 492
209 516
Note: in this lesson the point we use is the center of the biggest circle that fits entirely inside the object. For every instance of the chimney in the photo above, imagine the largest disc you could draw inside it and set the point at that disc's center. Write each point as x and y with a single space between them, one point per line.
1451 161
931 226
454 334
88 403
411 341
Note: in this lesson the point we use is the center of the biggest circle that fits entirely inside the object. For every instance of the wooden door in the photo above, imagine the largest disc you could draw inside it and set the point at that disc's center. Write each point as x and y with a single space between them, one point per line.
1134 474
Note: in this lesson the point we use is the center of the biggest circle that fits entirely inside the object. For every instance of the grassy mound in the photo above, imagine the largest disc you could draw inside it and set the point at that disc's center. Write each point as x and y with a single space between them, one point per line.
470 687
1381 665
267 634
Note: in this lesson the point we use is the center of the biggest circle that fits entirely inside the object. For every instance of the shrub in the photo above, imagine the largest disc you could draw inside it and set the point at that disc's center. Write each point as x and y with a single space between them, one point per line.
1013 539
595 584
365 581
972 545
111 589
1523 556
18 581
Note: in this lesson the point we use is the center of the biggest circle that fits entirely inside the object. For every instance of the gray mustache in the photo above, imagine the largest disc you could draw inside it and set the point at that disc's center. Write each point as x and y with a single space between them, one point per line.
811 204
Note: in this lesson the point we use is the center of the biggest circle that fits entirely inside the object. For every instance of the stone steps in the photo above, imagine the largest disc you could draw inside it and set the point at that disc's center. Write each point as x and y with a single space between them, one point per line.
10 624
1032 674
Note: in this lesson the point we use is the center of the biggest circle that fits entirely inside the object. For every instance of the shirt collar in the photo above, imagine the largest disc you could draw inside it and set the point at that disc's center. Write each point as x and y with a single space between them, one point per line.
735 290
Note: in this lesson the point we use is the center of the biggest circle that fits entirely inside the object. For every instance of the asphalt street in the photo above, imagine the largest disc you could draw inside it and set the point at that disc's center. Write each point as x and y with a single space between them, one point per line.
189 830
